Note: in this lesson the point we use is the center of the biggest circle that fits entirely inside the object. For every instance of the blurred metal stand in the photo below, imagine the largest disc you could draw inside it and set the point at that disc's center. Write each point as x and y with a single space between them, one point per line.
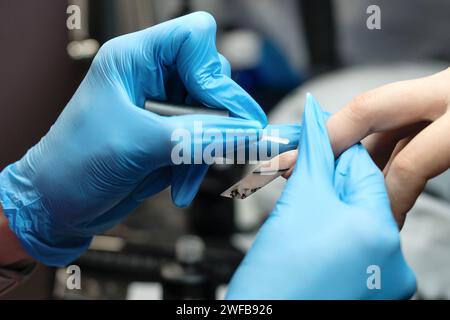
319 25
81 45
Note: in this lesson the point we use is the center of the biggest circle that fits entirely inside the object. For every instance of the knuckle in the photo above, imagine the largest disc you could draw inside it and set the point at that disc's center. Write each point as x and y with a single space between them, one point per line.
404 167
380 238
360 107
105 54
108 48
203 22
114 55
375 235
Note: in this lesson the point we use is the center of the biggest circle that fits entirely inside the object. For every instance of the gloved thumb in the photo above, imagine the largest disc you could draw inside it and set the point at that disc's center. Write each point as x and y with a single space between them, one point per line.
358 181
315 163
193 50
186 179
237 140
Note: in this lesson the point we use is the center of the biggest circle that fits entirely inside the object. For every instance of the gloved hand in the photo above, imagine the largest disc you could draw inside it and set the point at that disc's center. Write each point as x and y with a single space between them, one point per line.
332 234
106 154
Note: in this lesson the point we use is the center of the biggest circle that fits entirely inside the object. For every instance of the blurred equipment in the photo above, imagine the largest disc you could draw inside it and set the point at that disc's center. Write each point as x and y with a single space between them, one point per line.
426 244
169 110
320 25
185 279
150 257
81 45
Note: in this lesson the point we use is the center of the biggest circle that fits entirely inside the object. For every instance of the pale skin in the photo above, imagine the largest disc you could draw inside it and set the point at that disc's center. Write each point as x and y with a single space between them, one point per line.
405 126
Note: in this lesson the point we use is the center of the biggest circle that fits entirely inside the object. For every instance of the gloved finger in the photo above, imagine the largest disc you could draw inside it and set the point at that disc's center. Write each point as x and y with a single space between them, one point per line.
186 179
192 47
175 91
189 131
239 140
359 182
315 163
270 142
226 70
154 183
278 139
225 64
193 151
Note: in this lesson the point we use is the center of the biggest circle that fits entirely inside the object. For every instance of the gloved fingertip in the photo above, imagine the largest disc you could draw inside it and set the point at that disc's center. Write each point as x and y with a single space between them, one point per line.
358 161
181 202
359 181
343 163
313 112
186 182
315 148
180 198
286 137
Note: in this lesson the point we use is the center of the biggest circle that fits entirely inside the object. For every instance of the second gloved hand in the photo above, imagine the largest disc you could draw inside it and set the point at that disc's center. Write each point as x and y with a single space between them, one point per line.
332 234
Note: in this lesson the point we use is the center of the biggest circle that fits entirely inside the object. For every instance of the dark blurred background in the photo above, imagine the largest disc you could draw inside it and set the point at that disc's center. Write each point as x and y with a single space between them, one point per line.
278 49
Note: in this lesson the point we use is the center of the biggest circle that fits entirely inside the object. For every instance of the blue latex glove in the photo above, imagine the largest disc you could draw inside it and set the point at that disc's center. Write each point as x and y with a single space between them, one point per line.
106 154
331 224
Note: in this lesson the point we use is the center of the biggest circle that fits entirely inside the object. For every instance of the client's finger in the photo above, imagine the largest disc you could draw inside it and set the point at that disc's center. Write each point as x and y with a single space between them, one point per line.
380 145
426 156
390 107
